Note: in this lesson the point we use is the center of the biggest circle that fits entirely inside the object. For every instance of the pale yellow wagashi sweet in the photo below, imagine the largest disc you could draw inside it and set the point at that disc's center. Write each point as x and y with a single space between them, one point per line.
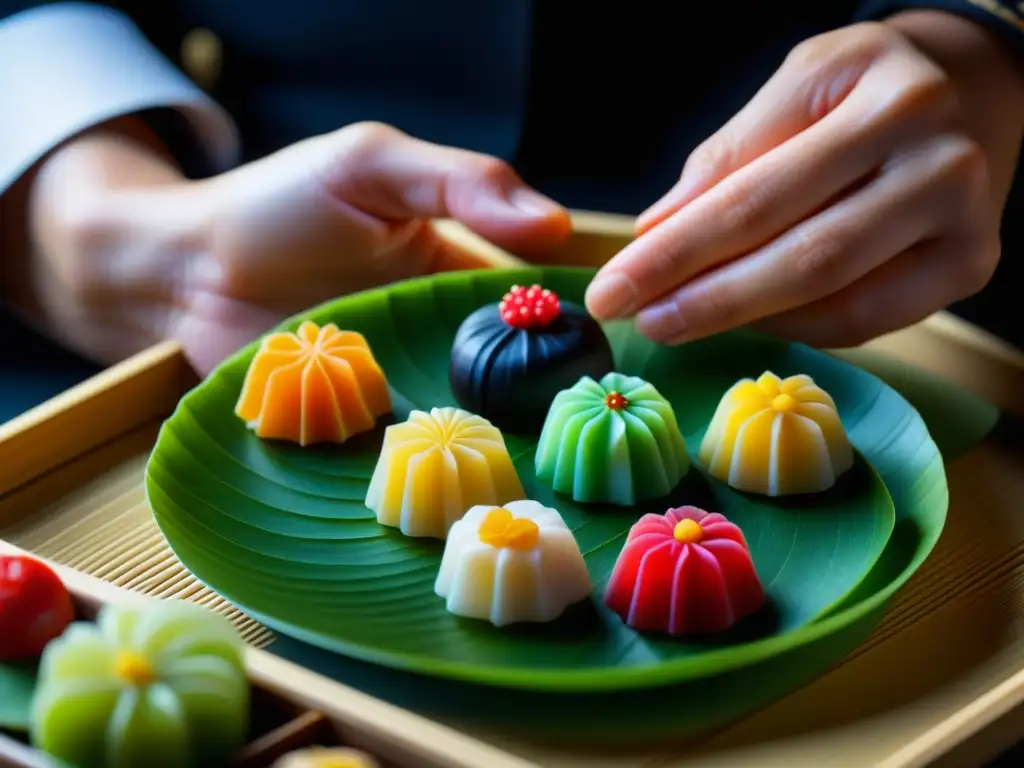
777 437
512 564
326 757
435 466
313 386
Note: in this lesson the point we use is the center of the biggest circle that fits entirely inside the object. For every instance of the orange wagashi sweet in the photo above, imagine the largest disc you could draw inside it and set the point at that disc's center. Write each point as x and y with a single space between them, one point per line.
316 385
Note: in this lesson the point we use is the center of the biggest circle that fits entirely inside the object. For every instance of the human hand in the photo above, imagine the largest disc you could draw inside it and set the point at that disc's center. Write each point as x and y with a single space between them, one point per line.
858 192
139 254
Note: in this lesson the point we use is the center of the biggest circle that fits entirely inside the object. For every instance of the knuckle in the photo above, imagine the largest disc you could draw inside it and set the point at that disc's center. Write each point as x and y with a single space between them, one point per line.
964 168
359 144
492 170
818 258
370 133
746 206
720 305
927 96
859 41
710 154
976 268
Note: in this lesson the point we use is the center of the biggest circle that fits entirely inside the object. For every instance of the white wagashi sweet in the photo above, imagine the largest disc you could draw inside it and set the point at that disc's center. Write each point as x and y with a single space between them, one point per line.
435 466
776 437
512 564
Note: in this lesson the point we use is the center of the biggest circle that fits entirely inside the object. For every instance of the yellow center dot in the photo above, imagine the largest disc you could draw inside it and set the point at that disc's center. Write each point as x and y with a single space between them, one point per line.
688 531
501 530
616 401
134 668
784 403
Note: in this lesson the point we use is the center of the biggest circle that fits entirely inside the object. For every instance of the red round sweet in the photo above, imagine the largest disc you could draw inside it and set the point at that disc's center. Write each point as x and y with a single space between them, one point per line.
686 572
35 607
526 308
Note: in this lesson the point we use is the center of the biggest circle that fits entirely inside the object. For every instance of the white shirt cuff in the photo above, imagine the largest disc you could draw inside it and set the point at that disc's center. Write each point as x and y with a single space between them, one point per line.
67 67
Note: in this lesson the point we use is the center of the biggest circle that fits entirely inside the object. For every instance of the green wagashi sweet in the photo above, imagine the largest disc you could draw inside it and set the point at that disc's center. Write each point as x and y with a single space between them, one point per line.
614 441
155 684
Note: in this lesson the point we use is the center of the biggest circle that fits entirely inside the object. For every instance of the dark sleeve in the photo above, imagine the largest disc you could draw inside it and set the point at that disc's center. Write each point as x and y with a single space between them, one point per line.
66 67
1005 18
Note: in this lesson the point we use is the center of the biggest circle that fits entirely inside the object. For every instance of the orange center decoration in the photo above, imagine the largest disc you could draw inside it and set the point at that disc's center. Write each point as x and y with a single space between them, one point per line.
134 669
616 401
317 385
502 530
688 531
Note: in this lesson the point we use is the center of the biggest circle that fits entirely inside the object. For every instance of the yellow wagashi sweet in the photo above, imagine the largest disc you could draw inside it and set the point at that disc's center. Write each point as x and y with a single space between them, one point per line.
435 466
777 437
512 564
326 757
313 386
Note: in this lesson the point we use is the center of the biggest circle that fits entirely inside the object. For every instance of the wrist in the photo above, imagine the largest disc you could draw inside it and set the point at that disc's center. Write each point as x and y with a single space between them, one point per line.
109 218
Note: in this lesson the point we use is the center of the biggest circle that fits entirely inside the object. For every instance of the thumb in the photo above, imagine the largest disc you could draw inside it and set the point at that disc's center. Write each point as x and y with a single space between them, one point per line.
390 175
812 81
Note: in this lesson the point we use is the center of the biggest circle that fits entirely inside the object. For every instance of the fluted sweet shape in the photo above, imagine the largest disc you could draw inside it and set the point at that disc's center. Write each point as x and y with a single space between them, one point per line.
326 757
513 564
435 466
317 385
776 437
157 683
616 441
684 572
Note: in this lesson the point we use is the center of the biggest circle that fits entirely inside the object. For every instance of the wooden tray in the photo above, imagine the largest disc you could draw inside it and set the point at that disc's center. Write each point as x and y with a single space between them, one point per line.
941 680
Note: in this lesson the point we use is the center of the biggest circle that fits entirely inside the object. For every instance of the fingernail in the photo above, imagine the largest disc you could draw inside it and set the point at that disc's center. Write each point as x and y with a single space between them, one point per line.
662 322
611 296
533 203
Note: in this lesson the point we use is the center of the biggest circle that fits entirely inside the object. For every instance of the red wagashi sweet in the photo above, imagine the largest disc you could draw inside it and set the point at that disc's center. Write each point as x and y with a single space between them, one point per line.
35 607
685 572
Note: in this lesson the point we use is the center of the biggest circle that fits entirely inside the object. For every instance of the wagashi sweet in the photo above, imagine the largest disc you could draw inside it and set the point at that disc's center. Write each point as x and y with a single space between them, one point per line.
614 441
776 437
150 683
326 757
435 466
317 385
35 607
517 563
511 358
683 573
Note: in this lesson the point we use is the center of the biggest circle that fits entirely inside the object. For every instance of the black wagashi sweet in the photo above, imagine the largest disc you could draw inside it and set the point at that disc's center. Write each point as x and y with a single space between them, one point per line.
510 359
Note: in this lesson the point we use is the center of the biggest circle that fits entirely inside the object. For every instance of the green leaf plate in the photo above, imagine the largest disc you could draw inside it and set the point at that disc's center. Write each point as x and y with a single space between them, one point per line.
283 533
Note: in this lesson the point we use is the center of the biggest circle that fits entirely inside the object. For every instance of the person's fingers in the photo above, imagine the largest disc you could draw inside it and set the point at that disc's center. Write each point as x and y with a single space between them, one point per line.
901 292
792 100
778 189
918 195
815 78
389 175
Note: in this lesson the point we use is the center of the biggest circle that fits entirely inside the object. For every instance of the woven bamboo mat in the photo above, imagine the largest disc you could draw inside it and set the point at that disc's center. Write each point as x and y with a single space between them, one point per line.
92 516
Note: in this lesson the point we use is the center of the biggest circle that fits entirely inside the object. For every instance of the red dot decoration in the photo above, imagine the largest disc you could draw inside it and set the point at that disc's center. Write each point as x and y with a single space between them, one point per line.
616 401
526 308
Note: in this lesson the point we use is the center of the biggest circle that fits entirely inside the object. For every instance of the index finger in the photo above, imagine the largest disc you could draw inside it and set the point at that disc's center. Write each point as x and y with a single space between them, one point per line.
777 190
